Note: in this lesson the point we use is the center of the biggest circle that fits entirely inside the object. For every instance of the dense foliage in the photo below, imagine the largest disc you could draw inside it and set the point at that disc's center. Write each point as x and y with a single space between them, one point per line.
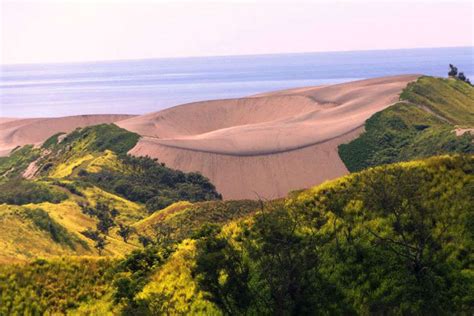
151 183
13 165
396 240
100 138
421 126
19 192
52 286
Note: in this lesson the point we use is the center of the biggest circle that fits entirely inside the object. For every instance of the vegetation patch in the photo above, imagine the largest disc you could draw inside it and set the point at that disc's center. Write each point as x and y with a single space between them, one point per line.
146 181
449 98
103 137
52 286
20 192
15 164
52 141
421 126
58 233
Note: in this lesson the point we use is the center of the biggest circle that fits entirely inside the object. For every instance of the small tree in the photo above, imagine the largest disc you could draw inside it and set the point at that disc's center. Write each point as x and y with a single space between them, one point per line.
462 77
100 244
145 240
453 70
105 223
125 231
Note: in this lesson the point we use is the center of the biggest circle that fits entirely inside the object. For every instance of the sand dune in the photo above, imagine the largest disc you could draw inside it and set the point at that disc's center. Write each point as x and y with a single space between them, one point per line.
19 132
260 146
268 144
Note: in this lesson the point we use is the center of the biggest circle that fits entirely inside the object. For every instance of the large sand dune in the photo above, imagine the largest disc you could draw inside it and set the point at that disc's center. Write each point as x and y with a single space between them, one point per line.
268 144
19 132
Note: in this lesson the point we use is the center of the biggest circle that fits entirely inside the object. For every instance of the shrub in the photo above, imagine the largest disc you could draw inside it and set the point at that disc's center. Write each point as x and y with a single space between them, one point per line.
19 192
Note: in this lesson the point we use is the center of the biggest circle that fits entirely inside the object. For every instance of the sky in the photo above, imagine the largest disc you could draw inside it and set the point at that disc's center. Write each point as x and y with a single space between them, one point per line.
69 31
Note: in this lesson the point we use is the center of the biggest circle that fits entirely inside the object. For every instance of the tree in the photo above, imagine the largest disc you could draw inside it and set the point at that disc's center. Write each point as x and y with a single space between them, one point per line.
462 77
105 223
453 70
274 269
100 244
145 240
124 231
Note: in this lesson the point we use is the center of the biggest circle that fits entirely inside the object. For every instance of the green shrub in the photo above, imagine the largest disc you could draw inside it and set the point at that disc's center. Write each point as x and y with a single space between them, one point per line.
19 192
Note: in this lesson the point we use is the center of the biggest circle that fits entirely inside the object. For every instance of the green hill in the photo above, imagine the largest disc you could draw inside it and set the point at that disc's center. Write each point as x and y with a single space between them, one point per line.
421 125
395 239
83 193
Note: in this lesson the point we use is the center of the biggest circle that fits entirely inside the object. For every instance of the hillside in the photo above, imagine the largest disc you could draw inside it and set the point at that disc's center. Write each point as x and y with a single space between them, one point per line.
83 193
395 239
434 116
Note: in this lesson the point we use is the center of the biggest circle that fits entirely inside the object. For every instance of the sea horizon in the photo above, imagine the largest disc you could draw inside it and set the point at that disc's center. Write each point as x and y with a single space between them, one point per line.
146 85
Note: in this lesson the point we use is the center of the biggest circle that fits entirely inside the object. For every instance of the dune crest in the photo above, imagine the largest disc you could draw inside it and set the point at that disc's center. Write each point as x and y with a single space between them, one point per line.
268 144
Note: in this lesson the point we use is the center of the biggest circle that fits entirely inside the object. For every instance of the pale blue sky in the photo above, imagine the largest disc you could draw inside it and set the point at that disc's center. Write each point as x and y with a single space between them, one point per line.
64 31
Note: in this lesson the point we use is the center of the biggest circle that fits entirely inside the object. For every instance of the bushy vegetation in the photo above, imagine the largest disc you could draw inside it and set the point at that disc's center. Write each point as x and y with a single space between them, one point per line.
19 192
52 141
15 164
420 126
58 233
453 72
394 240
52 287
179 222
102 137
146 181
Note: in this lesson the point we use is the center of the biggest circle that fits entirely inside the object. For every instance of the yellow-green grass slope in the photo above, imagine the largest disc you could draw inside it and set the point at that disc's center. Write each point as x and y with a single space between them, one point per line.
422 124
84 194
394 239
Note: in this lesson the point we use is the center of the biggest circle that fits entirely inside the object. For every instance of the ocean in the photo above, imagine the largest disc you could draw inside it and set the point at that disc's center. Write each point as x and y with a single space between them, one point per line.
141 86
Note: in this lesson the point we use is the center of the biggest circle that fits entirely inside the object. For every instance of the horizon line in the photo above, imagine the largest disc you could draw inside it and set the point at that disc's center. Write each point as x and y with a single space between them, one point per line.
221 56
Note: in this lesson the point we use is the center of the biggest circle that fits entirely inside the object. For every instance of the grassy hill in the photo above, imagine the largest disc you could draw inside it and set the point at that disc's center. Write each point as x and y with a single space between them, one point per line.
395 239
421 125
83 193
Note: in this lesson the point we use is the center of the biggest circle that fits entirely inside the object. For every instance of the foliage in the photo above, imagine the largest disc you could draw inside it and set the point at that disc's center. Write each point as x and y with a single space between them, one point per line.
407 131
52 286
132 274
391 240
185 220
15 164
269 268
153 184
172 289
19 192
58 233
453 72
396 239
52 141
102 137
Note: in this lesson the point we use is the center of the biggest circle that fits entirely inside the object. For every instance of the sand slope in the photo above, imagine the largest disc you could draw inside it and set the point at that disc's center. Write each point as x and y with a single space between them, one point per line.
268 144
19 132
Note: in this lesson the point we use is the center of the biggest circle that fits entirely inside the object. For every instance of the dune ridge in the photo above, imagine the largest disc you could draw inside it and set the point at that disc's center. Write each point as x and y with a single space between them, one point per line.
266 145
261 146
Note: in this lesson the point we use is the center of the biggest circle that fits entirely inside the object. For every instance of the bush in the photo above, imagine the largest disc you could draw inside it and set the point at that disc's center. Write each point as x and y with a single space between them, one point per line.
19 192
